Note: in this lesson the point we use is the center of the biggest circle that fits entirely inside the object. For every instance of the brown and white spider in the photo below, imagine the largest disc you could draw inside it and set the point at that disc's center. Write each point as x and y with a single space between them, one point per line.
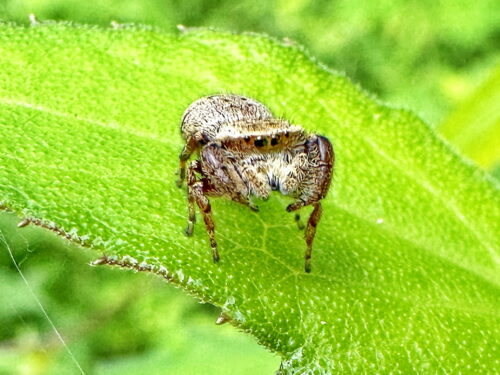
243 152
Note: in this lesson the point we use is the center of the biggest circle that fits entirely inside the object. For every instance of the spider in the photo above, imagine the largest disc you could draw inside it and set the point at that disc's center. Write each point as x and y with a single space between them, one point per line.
245 152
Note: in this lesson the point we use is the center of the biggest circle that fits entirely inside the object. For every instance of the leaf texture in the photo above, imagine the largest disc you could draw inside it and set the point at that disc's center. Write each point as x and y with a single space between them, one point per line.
405 265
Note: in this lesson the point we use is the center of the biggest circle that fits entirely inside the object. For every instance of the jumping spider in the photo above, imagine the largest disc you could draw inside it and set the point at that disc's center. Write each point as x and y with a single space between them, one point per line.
243 152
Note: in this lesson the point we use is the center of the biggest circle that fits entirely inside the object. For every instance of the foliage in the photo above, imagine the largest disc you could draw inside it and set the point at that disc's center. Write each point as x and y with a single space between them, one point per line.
424 55
475 126
405 268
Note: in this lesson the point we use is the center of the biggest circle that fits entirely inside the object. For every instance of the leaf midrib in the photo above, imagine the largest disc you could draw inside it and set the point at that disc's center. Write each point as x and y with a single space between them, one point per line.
107 125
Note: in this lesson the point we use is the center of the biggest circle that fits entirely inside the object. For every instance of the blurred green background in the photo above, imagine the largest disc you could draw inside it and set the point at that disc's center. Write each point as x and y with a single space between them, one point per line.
426 55
114 321
437 58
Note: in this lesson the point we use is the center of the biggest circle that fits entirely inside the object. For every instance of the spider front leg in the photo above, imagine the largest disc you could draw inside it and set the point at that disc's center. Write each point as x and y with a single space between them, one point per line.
227 174
310 232
187 150
197 192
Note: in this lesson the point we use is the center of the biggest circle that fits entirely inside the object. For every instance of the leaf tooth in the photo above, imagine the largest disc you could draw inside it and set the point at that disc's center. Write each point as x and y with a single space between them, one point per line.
223 318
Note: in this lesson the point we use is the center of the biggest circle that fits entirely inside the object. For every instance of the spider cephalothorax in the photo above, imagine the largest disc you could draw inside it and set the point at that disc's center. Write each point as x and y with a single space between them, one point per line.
243 152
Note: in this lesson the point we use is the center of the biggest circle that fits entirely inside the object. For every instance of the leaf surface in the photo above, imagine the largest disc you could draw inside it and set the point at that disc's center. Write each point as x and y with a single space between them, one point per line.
405 264
474 127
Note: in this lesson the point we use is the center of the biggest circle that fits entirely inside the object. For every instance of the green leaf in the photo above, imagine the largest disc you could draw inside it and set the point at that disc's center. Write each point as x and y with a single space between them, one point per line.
405 264
474 127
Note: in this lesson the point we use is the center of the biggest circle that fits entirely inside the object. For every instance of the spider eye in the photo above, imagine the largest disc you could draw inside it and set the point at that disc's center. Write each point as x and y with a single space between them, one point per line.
247 139
274 141
260 142
287 134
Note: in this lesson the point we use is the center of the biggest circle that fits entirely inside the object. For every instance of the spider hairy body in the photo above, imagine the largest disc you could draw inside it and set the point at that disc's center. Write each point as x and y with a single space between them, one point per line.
245 152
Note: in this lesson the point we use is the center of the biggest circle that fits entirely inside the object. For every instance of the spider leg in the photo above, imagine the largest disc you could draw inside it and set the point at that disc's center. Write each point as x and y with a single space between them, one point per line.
256 180
231 176
310 232
191 215
191 181
197 192
300 224
296 205
187 150
238 192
